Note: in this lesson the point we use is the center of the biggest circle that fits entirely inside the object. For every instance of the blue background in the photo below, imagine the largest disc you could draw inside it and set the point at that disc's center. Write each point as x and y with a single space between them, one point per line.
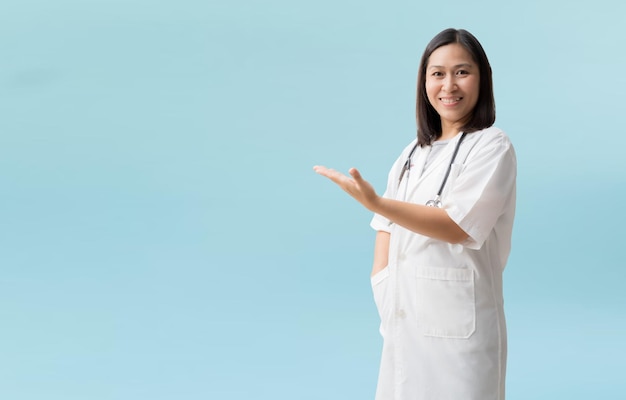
164 237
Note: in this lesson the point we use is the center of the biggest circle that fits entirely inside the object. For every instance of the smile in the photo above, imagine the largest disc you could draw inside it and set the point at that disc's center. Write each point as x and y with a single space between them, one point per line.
450 100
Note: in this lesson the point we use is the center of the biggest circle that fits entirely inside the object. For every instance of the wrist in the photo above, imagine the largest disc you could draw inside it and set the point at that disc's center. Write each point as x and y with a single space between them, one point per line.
376 204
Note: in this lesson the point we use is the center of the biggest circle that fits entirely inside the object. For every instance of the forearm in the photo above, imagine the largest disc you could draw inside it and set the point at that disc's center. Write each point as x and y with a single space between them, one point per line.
428 221
381 251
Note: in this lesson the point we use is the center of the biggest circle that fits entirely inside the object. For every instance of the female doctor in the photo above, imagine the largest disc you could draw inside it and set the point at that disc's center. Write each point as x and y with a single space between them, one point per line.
443 235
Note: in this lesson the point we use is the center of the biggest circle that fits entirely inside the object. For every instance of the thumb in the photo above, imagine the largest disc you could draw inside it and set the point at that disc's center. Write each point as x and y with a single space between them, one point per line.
356 174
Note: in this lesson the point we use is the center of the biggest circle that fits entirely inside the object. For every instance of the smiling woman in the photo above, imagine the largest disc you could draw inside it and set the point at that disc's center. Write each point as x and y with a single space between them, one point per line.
452 80
438 263
455 87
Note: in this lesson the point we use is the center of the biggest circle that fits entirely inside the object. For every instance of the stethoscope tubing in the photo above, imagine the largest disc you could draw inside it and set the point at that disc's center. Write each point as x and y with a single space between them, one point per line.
436 202
445 178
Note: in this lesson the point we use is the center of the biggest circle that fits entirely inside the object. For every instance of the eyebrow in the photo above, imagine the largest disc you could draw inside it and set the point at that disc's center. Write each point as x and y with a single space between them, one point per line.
466 65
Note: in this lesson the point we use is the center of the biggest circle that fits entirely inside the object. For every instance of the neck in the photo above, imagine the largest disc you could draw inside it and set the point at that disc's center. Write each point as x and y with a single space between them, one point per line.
449 134
451 129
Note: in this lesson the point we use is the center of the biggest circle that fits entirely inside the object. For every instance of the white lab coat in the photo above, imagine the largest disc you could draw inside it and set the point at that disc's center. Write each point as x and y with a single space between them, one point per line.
441 305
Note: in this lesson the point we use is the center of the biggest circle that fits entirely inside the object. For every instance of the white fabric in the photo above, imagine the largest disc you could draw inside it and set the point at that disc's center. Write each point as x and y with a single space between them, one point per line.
441 305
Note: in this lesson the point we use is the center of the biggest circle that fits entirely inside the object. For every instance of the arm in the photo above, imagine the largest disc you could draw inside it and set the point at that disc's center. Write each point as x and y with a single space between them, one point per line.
381 251
429 221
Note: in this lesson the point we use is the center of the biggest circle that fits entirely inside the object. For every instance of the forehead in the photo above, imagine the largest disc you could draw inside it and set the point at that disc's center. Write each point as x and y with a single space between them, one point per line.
450 55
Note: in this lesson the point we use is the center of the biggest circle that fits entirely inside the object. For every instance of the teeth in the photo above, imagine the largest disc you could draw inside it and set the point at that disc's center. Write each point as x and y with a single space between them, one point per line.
450 101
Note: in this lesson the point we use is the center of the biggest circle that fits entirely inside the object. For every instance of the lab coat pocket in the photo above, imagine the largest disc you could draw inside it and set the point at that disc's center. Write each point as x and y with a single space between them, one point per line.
446 305
380 288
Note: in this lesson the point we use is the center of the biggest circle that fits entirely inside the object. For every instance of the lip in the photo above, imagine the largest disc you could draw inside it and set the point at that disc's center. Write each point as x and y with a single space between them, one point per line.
450 101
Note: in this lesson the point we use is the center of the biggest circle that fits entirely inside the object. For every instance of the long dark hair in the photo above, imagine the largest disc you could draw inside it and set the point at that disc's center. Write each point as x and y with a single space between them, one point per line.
484 113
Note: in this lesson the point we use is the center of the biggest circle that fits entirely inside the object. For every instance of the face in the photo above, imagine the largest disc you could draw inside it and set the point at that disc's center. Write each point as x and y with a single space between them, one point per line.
452 86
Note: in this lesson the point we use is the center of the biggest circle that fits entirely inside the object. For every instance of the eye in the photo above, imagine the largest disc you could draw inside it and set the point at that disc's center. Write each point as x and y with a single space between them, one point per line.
437 74
462 72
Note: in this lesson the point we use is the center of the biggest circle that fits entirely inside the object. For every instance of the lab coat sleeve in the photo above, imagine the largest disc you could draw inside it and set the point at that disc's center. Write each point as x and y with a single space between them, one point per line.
380 223
483 189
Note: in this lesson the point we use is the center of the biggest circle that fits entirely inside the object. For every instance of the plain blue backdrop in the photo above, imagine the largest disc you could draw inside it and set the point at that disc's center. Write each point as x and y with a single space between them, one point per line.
164 236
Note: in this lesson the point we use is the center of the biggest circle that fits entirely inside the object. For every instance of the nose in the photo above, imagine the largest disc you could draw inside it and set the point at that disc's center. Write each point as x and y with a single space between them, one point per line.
449 83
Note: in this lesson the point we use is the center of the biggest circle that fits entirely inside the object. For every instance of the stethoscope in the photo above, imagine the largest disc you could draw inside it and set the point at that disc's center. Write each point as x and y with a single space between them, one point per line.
436 202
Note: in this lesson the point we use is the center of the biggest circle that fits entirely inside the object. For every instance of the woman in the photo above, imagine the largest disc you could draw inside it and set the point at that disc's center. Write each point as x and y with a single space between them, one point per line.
444 235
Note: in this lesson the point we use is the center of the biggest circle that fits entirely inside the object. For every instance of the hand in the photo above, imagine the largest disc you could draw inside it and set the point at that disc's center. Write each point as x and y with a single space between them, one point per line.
357 187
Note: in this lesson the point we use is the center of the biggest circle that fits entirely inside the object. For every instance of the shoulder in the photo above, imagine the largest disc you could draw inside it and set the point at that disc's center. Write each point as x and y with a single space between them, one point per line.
490 144
412 147
491 140
409 148
491 136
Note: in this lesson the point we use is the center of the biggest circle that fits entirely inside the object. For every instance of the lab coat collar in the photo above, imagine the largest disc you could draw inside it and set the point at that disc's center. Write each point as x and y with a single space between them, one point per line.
444 157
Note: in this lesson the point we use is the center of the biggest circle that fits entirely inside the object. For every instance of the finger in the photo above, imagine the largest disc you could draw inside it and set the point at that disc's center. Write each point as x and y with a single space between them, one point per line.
355 174
331 174
320 169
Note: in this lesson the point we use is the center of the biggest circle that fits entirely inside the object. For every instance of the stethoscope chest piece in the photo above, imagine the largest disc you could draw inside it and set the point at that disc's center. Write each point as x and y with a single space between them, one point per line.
436 202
